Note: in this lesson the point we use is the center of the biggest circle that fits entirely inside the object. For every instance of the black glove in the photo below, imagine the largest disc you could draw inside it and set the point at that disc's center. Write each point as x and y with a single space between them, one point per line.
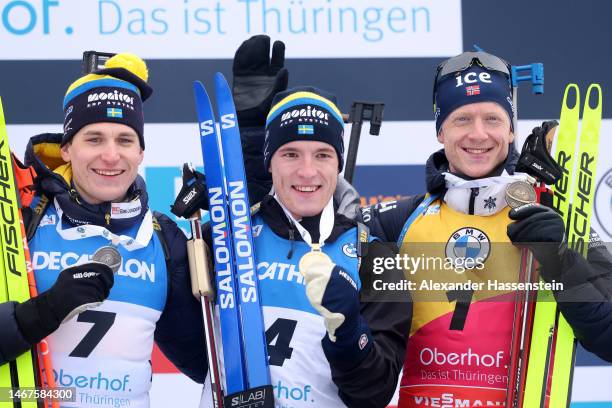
76 289
535 157
542 230
193 195
257 78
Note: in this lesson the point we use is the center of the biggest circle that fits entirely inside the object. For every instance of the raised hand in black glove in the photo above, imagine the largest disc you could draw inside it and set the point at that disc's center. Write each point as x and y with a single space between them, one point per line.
542 230
257 78
76 289
193 195
535 157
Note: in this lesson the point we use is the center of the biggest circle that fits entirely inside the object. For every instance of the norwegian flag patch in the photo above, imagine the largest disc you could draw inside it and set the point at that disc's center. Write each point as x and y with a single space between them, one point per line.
472 90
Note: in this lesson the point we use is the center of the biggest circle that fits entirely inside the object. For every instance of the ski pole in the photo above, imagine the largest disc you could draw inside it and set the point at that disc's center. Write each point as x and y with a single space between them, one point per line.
523 312
524 302
198 255
360 111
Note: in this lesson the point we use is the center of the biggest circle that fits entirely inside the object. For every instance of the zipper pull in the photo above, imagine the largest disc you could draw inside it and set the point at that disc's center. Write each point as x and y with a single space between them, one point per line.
475 192
107 217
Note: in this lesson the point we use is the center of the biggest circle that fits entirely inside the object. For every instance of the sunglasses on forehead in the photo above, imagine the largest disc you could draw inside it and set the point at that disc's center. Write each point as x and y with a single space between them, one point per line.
467 59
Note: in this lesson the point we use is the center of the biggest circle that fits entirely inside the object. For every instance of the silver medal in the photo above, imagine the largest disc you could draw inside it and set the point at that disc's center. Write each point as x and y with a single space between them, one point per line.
108 255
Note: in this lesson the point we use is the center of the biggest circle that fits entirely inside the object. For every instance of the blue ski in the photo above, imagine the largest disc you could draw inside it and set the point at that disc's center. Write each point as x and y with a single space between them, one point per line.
233 358
253 328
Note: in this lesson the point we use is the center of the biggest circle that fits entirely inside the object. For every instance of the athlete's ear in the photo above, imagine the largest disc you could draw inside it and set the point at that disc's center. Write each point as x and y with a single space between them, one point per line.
441 136
65 152
140 156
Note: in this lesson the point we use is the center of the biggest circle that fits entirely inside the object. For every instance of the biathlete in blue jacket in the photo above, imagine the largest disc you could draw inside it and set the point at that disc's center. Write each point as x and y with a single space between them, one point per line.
101 326
333 339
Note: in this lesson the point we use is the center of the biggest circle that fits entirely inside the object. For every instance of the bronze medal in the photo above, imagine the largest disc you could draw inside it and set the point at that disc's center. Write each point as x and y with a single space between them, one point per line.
520 193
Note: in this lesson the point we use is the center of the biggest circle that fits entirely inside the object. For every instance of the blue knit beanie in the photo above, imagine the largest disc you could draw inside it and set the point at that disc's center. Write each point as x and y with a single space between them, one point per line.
475 84
304 113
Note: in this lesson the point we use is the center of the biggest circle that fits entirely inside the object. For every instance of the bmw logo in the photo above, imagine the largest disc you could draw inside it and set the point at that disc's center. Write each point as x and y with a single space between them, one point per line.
350 250
603 203
468 247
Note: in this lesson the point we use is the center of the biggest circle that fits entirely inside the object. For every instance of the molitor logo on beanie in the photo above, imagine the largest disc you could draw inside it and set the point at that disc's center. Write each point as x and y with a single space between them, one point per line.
472 85
113 94
304 113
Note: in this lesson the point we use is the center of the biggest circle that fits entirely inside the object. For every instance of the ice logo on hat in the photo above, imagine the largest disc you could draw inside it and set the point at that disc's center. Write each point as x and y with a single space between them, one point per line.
472 78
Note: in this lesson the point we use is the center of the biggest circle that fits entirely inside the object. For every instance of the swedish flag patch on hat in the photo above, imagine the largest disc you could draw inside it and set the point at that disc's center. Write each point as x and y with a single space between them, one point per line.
114 113
305 130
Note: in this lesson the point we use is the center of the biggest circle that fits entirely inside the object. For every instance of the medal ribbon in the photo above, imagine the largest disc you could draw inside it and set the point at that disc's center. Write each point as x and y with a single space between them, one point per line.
326 224
143 237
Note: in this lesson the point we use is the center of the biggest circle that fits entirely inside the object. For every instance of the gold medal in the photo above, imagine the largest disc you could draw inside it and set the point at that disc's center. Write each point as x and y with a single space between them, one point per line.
311 258
520 193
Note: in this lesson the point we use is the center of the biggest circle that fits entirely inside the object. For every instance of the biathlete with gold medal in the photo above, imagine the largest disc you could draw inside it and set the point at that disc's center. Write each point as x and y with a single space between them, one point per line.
459 343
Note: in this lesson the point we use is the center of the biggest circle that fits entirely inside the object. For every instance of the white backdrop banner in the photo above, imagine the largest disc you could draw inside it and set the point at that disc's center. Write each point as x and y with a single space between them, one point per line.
214 28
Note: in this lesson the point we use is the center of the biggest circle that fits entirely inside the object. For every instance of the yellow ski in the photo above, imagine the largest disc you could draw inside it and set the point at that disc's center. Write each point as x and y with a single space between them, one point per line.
14 286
